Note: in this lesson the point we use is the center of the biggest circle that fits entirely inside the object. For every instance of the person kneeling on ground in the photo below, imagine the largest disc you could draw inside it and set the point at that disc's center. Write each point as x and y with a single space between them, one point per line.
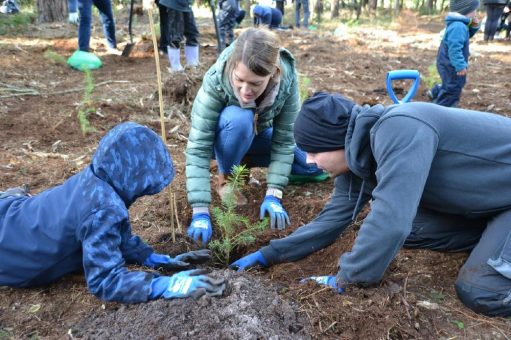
244 112
83 224
266 15
438 178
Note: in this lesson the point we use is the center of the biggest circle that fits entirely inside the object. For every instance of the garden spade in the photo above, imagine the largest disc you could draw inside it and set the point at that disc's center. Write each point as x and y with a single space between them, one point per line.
402 75
129 46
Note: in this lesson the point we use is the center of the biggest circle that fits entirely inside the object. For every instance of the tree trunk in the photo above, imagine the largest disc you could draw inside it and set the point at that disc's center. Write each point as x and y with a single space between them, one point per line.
430 7
51 10
373 4
396 8
247 8
334 9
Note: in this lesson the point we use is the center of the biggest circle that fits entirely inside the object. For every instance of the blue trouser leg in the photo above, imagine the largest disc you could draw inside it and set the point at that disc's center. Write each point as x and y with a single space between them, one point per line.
297 12
107 19
452 85
482 284
190 32
176 27
444 232
235 139
164 27
84 27
234 135
306 13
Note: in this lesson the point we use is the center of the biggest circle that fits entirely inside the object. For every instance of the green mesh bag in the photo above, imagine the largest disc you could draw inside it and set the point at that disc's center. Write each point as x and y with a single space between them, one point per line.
82 61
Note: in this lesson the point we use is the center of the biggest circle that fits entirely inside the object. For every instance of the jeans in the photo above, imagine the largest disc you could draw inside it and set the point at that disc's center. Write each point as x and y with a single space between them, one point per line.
107 19
235 139
305 4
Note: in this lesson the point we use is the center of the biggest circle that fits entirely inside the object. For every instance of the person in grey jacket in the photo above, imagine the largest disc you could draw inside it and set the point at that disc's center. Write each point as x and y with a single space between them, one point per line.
438 177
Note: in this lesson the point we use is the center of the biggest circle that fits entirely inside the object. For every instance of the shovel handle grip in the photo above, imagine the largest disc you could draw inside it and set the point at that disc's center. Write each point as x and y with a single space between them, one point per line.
401 75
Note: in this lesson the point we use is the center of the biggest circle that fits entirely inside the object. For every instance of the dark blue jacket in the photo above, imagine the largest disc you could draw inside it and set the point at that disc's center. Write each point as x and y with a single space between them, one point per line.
83 224
266 15
177 5
454 49
448 160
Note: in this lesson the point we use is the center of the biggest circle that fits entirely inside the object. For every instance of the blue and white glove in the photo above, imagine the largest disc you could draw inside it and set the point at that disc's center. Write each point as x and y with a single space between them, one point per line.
325 280
200 228
73 18
278 216
249 261
180 262
190 283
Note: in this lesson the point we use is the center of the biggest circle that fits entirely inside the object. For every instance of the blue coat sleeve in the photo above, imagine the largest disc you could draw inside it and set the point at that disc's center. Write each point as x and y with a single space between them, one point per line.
133 249
72 7
325 228
103 261
404 159
456 38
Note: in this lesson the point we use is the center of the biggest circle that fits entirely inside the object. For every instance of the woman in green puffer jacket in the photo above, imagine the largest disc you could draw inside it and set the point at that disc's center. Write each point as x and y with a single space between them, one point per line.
245 109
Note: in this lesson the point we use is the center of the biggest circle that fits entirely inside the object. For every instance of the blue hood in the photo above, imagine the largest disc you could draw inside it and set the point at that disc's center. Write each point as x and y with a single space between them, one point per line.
133 160
456 17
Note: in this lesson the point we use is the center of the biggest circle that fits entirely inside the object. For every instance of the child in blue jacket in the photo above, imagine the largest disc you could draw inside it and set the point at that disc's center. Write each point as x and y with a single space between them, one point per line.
452 58
83 224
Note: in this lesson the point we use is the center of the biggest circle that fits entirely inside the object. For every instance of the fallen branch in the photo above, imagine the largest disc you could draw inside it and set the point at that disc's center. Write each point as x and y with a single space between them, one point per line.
79 89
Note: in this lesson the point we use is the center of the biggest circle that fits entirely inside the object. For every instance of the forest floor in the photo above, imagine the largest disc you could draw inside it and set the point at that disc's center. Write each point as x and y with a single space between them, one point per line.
41 144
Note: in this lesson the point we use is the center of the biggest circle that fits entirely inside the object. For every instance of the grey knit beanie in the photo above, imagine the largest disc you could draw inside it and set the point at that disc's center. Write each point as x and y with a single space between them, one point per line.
463 6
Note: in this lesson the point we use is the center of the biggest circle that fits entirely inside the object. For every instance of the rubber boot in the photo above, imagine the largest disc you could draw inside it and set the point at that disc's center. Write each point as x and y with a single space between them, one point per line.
192 55
224 190
174 59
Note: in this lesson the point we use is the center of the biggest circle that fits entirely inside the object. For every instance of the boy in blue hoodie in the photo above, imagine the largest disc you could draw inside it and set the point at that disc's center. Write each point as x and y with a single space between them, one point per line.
438 178
452 58
83 224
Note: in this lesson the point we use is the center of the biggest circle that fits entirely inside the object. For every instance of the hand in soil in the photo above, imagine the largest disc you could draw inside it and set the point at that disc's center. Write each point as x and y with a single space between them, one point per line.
326 281
200 228
195 257
190 283
278 215
249 261
165 262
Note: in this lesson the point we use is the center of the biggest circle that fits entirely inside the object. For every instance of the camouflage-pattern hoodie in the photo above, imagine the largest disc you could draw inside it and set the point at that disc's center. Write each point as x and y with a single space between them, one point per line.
83 224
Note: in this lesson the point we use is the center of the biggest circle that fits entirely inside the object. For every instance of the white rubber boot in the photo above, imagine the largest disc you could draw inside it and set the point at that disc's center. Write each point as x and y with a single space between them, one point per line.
174 59
192 55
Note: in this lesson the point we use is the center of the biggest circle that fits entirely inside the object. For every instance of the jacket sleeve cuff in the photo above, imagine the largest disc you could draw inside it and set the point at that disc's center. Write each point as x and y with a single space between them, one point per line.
200 210
270 255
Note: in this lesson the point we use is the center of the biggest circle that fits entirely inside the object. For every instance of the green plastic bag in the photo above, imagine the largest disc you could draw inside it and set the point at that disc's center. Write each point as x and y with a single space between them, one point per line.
82 61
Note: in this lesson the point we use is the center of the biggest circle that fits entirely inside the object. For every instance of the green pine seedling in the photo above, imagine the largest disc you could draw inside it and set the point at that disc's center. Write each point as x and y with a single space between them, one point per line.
86 104
235 229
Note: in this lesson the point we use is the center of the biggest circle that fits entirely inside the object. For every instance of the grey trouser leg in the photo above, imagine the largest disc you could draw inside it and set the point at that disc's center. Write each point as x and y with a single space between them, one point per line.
444 232
482 284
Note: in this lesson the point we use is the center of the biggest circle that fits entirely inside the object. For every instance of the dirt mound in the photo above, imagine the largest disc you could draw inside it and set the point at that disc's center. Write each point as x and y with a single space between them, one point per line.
251 309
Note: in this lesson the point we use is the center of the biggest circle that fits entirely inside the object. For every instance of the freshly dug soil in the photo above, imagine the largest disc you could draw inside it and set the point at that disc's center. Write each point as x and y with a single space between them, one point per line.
251 308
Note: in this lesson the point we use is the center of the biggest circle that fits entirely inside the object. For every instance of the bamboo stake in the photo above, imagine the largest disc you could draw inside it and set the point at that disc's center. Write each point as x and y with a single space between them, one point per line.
160 100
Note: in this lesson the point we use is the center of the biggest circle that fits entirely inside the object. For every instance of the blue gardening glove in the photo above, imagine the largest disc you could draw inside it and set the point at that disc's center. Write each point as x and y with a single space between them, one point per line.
249 261
278 215
325 280
190 283
165 262
200 228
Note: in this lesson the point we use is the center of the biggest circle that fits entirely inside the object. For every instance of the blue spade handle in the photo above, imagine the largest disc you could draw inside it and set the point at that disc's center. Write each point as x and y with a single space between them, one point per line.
399 75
